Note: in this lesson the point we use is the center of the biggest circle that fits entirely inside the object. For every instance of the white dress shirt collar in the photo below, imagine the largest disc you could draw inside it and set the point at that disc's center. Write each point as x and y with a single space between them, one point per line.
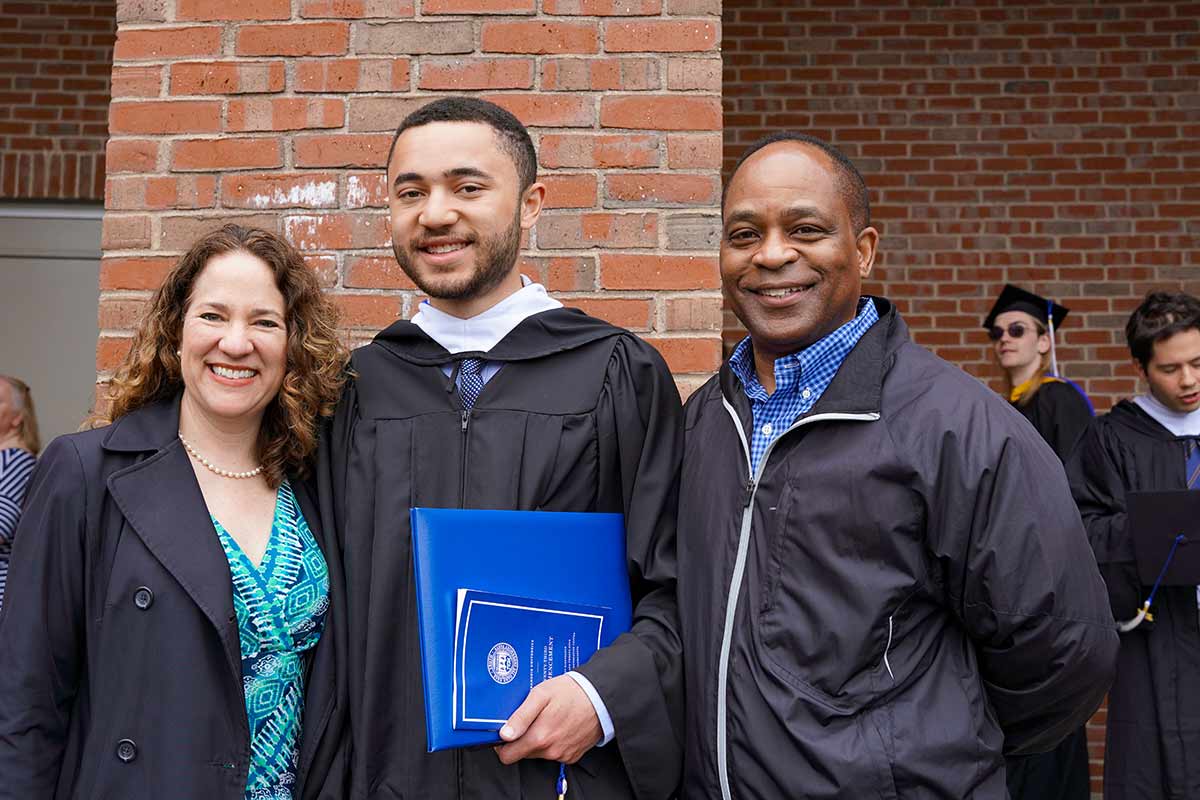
1179 423
481 332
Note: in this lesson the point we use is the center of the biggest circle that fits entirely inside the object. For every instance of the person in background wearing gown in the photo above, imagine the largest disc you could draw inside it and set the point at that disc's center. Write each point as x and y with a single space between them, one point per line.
1019 326
1150 442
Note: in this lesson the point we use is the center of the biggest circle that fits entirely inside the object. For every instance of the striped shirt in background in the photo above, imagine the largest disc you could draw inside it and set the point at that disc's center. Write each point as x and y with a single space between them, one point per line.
16 465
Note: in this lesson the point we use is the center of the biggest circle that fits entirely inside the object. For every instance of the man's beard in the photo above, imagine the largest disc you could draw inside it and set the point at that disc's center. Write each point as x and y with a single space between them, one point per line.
495 258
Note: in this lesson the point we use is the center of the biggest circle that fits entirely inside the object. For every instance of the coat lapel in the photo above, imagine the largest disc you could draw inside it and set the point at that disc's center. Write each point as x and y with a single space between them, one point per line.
161 500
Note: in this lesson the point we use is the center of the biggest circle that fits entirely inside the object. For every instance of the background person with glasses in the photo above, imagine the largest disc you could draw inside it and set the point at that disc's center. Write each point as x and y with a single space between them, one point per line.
1023 344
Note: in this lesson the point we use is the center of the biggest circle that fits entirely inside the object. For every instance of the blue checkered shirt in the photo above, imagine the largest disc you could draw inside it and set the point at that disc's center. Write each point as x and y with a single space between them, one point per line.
800 379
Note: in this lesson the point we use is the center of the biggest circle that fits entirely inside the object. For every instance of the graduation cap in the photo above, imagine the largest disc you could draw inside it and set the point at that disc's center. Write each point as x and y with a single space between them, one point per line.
1047 312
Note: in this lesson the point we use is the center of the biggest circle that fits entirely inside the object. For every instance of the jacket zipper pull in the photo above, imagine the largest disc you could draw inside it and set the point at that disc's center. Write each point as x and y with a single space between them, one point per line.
749 493
466 415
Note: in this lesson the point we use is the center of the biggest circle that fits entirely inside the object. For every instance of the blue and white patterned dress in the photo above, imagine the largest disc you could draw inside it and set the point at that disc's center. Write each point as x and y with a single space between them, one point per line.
280 606
16 465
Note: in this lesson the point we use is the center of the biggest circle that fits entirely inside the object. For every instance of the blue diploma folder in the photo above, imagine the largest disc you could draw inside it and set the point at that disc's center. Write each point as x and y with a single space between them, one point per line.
507 645
559 557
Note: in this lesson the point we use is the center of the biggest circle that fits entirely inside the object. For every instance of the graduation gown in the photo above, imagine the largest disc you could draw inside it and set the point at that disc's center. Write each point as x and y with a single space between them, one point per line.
1153 740
1061 414
581 417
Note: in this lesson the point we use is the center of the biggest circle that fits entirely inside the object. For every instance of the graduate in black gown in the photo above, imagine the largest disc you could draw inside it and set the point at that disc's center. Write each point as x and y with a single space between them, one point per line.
1021 326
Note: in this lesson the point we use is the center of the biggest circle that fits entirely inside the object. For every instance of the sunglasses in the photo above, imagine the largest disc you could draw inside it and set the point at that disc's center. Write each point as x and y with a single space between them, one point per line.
1015 331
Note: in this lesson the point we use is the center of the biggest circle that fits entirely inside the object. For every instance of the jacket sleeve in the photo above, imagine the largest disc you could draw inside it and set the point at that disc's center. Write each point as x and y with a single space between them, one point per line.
1020 576
640 676
1099 491
42 626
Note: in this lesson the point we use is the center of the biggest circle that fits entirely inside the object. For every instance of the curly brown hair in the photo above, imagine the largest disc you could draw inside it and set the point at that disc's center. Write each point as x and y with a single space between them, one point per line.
316 360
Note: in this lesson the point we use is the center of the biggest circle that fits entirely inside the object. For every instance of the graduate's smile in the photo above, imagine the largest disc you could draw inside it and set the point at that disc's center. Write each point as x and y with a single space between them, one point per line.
443 251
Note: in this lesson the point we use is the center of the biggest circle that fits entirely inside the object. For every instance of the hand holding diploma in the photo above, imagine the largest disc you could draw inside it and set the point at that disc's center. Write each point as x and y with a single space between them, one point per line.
556 722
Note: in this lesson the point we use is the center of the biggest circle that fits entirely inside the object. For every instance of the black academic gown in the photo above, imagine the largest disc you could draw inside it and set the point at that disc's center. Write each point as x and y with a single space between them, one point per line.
1153 742
582 417
1061 415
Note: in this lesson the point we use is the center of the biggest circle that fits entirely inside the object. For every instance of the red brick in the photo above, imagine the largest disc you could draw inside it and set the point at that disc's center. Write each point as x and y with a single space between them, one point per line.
160 192
365 190
463 74
645 271
205 10
661 36
266 190
694 74
284 114
561 273
140 272
630 313
119 313
136 81
352 74
551 110
163 43
223 77
576 231
125 232
342 150
165 116
600 74
337 231
664 188
111 352
371 311
478 7
602 151
603 8
369 113
569 191
539 37
225 153
694 151
660 112
356 9
693 314
132 155
689 355
376 272
293 39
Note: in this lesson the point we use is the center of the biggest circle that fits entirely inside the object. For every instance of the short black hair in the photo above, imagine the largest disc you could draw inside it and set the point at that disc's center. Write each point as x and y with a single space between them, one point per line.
849 180
1160 316
512 135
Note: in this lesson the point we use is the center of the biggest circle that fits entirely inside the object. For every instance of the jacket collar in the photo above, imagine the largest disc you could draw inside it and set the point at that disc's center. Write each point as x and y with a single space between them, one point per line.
1134 418
539 335
161 500
857 388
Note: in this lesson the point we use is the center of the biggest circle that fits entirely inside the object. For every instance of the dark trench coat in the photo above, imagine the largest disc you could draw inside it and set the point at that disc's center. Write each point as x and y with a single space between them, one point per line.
120 667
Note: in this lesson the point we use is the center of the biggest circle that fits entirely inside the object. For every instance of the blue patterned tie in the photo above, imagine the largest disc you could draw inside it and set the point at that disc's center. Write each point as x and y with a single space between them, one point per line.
1193 464
470 381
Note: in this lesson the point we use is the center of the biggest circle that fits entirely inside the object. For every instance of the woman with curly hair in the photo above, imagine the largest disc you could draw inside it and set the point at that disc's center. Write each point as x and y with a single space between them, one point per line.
172 624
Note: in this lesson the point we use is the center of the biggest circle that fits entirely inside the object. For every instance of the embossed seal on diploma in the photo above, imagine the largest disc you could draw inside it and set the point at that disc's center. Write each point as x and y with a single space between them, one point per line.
502 662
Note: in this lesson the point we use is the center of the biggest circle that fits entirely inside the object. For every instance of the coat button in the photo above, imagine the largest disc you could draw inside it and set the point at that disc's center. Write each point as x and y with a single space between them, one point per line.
126 750
143 598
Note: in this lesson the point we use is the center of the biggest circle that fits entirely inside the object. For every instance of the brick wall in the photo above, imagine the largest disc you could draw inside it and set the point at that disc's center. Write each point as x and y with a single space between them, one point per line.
279 113
1054 145
54 92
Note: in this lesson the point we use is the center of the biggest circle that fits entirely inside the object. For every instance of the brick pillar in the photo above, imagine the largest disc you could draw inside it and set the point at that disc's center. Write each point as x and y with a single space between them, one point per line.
279 113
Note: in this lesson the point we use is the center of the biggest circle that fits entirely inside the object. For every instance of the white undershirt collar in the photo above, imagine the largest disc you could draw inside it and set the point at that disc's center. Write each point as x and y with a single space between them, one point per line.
483 331
1179 423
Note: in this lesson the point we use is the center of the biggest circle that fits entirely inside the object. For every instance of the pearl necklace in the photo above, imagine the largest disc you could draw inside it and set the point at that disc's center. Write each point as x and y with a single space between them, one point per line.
224 473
